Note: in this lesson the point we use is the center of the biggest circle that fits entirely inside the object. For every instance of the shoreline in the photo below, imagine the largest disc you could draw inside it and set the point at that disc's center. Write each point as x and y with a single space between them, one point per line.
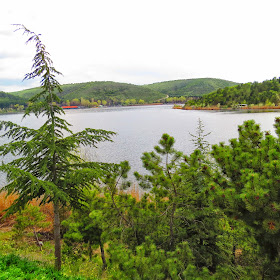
212 108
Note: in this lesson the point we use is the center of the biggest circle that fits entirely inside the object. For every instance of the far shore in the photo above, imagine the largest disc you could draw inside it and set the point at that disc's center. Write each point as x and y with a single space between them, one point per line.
228 108
14 111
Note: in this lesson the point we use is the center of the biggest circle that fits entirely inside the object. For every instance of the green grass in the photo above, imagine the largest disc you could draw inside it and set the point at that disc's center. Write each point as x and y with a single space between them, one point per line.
26 248
16 255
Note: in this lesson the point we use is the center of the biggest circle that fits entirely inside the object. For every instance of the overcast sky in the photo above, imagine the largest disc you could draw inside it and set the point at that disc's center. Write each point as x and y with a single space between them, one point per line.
143 41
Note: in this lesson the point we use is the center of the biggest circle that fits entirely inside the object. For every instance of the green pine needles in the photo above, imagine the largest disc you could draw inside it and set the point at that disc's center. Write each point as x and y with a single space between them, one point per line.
199 139
47 165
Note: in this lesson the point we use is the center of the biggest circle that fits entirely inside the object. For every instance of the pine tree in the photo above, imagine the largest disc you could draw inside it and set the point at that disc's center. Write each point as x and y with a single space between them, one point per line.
85 225
199 140
178 185
46 164
247 183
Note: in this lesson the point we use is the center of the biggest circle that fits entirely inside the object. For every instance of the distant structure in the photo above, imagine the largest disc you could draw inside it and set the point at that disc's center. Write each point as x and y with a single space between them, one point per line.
69 107
242 105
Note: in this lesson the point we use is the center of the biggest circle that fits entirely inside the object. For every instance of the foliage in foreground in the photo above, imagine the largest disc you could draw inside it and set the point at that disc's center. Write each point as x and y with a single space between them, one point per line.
14 267
149 262
173 231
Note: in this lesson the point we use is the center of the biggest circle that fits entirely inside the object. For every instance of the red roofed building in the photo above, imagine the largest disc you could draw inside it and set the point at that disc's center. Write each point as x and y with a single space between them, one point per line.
69 107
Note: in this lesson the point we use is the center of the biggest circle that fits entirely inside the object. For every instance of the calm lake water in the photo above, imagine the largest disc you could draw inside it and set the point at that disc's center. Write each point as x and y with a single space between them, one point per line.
140 128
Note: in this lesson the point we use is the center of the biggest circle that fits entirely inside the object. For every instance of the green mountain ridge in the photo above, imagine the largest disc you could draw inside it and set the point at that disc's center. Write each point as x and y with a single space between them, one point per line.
114 92
100 91
7 99
190 87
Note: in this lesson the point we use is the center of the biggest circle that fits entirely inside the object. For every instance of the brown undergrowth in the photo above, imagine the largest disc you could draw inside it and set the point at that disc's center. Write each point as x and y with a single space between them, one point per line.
135 192
7 200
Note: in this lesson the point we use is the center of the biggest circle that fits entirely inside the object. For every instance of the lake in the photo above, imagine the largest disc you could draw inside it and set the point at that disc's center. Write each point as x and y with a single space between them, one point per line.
140 128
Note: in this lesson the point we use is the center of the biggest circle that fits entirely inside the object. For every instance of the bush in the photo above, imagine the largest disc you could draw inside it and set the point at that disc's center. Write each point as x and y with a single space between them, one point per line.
13 267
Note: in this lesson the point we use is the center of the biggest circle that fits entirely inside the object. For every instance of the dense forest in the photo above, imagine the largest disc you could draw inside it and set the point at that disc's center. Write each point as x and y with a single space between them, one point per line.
266 92
6 100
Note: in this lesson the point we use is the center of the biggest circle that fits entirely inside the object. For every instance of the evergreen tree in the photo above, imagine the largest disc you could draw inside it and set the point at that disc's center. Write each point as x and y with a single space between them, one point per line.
47 166
199 139
85 226
178 185
101 212
247 184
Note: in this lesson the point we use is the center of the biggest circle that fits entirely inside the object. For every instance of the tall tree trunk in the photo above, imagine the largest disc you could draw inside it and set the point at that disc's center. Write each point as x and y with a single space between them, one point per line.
57 245
171 226
102 255
89 250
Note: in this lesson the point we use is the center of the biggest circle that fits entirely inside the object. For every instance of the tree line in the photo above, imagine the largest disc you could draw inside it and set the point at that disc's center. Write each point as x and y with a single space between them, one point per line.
108 102
264 93
8 100
11 105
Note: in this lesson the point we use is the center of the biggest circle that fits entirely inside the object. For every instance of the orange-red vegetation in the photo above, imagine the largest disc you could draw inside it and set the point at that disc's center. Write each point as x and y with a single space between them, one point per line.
7 201
47 209
177 107
135 192
271 225
201 108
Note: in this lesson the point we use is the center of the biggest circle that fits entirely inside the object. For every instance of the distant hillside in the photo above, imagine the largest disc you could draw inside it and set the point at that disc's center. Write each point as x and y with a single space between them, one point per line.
267 92
7 99
101 91
190 87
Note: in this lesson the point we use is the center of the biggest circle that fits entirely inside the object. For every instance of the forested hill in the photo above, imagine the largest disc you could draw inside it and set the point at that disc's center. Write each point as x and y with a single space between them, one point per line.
190 87
267 92
8 99
101 91
122 91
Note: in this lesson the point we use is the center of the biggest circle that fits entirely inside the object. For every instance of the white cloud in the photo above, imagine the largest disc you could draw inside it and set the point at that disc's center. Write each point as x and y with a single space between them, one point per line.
145 41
